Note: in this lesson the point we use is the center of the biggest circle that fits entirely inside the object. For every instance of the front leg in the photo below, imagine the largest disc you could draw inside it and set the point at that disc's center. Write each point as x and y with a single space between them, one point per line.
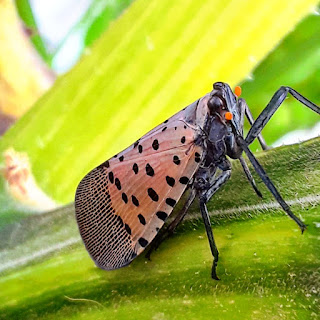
272 107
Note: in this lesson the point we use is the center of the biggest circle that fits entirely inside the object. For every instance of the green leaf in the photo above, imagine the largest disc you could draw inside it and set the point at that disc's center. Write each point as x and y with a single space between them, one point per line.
98 17
294 63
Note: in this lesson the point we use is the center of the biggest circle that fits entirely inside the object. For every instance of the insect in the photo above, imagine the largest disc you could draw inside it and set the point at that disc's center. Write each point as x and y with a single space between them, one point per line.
122 204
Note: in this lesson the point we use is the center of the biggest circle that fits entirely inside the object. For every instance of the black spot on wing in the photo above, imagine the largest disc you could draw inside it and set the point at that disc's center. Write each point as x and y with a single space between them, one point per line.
153 195
155 144
184 180
124 198
120 221
111 177
170 181
117 183
135 201
176 160
104 164
128 229
142 219
135 168
162 215
149 170
143 242
171 202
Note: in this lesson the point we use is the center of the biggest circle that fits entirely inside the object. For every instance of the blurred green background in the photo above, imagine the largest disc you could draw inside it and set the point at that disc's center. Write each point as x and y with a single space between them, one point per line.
118 70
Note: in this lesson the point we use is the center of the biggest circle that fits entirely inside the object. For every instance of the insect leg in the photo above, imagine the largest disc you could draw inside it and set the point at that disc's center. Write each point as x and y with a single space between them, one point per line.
213 187
216 184
257 166
272 107
204 197
250 118
213 247
172 226
244 110
249 176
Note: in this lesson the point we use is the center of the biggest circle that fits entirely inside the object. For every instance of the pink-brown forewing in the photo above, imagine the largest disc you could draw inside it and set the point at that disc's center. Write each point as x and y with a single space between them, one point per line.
121 204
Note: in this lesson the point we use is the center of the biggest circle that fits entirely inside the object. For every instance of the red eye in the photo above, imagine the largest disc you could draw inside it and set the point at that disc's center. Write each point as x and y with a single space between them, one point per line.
237 91
228 116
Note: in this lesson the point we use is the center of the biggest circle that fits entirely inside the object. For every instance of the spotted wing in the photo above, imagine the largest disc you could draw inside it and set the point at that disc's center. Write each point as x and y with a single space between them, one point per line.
122 204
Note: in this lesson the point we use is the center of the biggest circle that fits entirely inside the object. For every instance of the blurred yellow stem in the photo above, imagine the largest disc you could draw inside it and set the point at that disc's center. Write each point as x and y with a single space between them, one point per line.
23 75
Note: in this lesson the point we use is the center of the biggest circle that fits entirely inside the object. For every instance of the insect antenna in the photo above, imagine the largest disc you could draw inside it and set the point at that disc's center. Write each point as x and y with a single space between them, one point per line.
264 177
249 176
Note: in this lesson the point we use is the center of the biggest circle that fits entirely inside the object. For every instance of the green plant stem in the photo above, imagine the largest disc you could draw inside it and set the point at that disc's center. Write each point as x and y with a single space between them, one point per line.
26 14
264 258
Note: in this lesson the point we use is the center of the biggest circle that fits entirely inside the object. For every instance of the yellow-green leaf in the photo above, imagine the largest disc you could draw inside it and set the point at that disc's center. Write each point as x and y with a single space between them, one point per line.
156 58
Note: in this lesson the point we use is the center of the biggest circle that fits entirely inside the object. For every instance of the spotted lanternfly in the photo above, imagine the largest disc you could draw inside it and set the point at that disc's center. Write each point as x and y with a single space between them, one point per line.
122 204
